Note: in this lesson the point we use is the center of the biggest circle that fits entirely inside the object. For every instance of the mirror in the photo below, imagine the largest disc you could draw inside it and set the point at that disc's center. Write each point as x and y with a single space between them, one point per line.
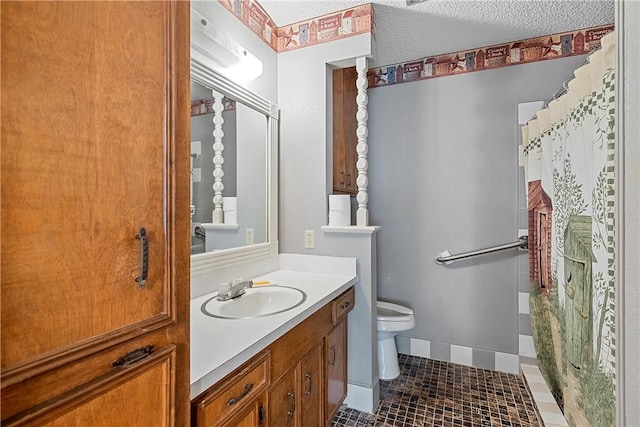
234 170
237 135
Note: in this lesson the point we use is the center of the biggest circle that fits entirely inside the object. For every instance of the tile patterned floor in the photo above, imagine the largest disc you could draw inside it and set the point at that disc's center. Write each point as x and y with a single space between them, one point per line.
434 393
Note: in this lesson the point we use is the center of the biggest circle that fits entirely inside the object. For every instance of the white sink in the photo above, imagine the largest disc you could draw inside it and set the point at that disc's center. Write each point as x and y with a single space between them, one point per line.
255 302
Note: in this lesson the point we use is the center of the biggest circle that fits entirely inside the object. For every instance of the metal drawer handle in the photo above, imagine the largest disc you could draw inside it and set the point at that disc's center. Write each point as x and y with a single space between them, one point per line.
144 258
332 355
342 178
235 400
307 383
292 402
345 305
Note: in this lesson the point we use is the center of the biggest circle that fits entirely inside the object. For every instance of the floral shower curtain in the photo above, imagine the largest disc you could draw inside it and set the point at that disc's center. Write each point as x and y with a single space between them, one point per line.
569 168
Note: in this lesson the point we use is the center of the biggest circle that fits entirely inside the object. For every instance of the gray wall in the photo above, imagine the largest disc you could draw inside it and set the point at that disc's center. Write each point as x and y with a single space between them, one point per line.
303 93
252 173
304 132
443 174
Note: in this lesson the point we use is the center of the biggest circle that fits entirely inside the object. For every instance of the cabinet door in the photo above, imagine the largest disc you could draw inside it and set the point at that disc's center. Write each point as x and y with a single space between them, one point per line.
345 124
87 114
336 367
251 416
311 388
97 392
95 122
283 401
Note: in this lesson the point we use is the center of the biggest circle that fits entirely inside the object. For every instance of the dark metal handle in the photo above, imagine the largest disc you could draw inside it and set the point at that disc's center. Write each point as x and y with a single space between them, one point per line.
307 383
234 400
345 305
292 401
134 356
348 179
342 178
332 355
144 258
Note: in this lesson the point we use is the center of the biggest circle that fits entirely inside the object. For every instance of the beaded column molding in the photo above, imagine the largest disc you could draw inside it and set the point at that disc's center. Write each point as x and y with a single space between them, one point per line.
218 160
362 216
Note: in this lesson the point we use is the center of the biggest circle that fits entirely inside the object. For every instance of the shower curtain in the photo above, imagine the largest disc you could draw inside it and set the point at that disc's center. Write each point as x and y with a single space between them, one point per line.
569 168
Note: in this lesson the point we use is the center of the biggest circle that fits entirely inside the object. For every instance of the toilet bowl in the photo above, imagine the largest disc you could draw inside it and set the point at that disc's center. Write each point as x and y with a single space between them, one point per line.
391 319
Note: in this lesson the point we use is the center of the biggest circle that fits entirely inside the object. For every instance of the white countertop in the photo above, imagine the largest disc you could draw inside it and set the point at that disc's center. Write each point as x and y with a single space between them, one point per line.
218 346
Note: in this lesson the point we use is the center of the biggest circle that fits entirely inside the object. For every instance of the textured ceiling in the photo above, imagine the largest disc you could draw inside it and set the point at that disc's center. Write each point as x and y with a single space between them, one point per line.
442 26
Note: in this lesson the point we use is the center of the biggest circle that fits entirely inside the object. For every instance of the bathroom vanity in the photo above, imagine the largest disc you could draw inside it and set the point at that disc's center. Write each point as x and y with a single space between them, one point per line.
286 369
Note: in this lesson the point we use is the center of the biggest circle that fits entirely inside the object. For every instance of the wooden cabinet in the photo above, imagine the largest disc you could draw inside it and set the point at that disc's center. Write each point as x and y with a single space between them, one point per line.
241 389
345 124
292 373
95 146
311 387
251 415
336 357
282 400
297 398
335 347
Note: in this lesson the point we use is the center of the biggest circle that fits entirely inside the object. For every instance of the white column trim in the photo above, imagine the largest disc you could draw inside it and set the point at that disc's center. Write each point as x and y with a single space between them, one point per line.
218 159
362 215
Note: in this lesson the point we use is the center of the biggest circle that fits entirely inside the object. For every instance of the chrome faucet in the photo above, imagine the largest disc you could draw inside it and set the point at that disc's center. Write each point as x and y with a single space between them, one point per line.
230 290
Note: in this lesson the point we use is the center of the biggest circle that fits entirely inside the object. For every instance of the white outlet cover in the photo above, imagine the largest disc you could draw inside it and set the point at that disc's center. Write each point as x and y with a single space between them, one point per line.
196 147
196 175
309 239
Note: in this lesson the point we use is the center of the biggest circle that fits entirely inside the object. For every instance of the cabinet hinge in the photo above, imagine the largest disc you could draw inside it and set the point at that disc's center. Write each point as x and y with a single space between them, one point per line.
261 414
134 356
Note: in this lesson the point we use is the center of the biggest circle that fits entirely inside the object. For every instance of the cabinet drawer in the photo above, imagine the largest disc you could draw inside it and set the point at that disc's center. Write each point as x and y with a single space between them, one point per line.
342 305
241 387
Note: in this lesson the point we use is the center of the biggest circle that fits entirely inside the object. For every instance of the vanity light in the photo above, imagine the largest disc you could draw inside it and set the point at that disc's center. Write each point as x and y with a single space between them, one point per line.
249 68
221 52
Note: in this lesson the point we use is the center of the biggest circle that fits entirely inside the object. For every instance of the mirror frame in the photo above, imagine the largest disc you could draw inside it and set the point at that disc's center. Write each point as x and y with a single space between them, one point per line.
211 261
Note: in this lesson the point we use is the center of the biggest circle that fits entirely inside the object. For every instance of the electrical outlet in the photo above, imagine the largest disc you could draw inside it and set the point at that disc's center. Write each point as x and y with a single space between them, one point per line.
249 236
309 239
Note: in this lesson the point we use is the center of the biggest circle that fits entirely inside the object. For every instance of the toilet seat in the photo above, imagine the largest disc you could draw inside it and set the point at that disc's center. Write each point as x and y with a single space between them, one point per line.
389 312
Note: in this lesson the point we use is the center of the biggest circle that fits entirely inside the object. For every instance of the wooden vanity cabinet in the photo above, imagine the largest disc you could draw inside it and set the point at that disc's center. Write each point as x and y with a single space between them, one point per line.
312 387
345 125
95 151
300 369
335 347
296 400
284 399
336 373
236 399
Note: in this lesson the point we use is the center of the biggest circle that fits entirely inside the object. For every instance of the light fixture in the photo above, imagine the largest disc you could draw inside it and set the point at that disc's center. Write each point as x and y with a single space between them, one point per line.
221 52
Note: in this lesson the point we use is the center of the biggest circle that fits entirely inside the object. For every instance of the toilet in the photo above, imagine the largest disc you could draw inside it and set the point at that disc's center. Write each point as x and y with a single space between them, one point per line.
391 319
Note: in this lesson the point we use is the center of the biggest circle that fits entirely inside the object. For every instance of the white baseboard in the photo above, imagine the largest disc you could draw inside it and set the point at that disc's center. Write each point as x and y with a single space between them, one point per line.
363 399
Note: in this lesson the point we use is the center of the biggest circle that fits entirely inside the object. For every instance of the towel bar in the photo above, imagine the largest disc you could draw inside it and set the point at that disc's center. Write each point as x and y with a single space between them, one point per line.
523 243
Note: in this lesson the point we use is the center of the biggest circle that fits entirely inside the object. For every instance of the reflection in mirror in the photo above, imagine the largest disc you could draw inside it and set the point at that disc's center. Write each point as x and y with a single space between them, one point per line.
229 171
245 162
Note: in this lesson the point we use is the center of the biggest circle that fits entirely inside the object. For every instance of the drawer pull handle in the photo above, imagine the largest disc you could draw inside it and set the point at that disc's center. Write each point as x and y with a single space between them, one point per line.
292 402
342 178
235 400
332 355
134 356
307 383
345 305
144 258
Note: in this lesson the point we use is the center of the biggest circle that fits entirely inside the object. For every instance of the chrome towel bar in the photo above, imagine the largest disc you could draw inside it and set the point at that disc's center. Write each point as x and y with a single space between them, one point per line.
445 257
